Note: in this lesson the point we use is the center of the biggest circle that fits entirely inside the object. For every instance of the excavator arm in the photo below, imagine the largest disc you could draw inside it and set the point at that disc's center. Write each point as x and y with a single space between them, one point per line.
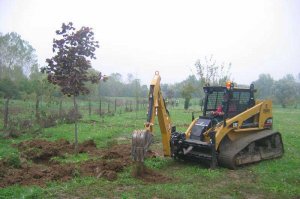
142 139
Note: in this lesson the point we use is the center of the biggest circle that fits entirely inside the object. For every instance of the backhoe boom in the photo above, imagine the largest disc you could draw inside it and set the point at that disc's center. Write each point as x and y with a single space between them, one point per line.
141 139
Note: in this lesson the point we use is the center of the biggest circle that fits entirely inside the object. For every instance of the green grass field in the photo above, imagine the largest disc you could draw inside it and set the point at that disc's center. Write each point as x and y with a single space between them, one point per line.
279 178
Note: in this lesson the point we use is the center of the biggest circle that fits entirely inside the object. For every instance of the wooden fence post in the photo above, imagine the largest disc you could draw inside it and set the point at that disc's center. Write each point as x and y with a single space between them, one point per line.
90 107
100 107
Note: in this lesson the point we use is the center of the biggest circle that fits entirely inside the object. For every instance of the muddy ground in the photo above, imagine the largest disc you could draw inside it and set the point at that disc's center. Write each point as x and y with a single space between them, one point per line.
37 165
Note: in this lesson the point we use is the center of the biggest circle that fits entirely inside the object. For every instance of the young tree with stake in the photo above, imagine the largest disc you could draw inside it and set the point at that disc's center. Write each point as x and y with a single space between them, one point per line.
69 66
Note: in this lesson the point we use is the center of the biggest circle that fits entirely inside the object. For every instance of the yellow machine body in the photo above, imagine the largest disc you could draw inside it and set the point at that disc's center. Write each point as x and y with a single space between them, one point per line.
230 139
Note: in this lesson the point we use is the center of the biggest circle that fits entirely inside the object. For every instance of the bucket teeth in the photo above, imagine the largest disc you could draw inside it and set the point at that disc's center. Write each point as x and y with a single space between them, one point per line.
141 140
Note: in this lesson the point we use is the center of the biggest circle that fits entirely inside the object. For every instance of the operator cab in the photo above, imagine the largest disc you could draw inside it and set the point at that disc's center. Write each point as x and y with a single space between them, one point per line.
220 104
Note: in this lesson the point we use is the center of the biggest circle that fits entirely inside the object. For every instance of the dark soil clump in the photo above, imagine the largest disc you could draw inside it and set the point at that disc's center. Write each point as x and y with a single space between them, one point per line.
35 165
148 175
101 168
35 174
41 151
152 176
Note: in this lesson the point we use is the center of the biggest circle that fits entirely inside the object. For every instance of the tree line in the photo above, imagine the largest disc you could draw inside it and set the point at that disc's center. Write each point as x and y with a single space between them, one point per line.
69 72
285 91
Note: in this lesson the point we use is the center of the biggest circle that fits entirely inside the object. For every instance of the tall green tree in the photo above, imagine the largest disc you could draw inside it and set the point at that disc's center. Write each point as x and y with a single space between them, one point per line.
186 93
264 86
285 90
41 88
8 90
68 68
114 87
168 91
17 57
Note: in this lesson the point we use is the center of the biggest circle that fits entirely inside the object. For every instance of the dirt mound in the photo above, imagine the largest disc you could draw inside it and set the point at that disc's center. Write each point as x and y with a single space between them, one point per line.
39 174
149 175
35 174
41 151
112 155
152 176
139 170
117 151
101 168
151 154
87 146
42 169
107 163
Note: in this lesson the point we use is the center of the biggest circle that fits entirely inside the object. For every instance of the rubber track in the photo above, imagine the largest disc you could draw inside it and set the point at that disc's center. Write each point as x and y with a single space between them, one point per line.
226 157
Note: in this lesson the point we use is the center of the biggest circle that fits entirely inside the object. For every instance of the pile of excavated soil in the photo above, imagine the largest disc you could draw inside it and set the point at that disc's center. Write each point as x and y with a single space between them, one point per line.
42 150
140 171
37 168
152 176
35 174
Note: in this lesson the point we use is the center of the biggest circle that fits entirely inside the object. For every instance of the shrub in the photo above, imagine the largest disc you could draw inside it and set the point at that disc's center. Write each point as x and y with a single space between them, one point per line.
48 120
72 116
13 160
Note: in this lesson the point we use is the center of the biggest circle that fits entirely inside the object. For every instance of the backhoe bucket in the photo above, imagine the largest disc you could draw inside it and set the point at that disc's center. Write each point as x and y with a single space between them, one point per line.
141 140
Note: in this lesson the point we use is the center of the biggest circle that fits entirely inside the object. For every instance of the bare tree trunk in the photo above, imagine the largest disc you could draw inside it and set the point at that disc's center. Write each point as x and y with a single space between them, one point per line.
60 108
76 130
90 107
136 97
6 113
137 105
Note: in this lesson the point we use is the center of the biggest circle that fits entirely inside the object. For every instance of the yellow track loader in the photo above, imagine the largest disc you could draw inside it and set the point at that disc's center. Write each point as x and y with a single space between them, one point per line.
241 133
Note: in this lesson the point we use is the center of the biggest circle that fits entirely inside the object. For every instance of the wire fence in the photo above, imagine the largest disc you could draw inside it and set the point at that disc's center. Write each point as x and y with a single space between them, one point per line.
20 111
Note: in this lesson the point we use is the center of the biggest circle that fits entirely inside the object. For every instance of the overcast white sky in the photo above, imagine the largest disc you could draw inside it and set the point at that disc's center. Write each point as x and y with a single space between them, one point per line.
140 37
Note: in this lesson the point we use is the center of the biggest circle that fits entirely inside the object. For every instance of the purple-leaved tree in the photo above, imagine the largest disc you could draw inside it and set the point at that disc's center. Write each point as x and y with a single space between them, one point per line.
69 66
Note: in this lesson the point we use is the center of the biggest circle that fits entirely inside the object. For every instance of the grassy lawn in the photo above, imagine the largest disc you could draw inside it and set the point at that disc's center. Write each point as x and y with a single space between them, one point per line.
278 178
